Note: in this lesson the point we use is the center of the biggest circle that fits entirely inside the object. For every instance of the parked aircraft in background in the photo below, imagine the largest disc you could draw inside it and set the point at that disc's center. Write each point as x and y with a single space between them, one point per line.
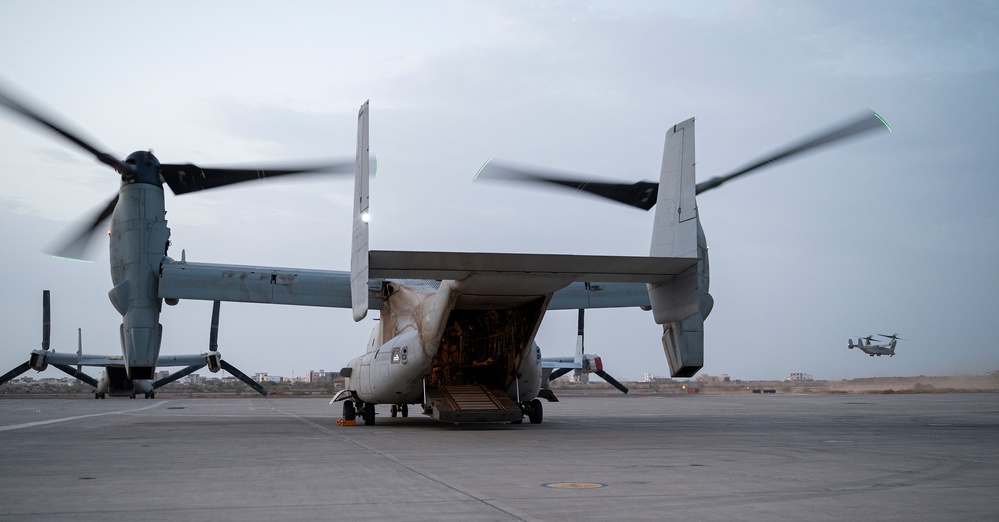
581 364
139 240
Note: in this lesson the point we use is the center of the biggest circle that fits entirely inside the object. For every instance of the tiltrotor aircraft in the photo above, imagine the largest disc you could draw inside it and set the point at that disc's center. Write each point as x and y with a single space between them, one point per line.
875 349
456 330
581 364
139 240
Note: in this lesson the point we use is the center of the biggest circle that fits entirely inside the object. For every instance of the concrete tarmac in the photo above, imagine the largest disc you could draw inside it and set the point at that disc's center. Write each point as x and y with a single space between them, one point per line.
745 457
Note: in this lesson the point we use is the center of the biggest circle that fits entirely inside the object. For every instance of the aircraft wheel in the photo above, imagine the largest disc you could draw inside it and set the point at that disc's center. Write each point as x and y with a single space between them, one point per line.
369 414
97 396
536 413
132 396
349 413
395 410
405 410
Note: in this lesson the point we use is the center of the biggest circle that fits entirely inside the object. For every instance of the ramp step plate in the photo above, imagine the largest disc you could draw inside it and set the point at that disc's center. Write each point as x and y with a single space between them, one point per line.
473 403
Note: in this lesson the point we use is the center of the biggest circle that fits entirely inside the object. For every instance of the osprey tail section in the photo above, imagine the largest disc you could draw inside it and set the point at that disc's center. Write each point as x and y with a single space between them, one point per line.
681 304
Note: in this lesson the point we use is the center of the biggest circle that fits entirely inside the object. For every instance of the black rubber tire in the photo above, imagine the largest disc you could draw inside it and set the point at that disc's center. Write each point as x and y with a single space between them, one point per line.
369 414
405 410
536 412
349 413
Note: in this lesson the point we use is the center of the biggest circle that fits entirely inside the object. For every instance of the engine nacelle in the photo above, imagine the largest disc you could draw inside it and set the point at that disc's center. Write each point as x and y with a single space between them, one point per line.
37 360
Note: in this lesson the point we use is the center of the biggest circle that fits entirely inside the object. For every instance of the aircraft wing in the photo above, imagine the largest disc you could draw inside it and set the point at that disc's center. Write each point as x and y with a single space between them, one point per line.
257 284
570 278
72 359
600 295
560 362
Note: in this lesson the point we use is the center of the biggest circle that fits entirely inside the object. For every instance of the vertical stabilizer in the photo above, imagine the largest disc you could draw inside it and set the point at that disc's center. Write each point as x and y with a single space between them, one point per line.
674 232
681 304
359 242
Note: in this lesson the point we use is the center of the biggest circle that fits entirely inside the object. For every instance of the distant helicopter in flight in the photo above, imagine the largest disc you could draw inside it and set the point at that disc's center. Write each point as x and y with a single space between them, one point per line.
876 349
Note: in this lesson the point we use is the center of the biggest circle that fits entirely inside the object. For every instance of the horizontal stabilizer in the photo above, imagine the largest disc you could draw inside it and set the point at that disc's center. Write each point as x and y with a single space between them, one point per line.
570 268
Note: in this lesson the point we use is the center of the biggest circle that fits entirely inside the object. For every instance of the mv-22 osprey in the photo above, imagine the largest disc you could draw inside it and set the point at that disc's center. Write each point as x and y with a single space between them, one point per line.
456 330
875 349
139 240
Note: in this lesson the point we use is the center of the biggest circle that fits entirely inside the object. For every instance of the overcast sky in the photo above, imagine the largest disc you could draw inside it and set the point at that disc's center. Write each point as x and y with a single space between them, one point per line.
889 233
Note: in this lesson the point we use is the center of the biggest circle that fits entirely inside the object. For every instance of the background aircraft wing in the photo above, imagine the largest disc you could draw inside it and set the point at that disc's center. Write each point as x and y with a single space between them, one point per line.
600 295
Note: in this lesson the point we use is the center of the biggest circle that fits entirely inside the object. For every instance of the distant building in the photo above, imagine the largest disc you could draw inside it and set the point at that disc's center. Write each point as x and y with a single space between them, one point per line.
795 376
265 377
318 377
705 378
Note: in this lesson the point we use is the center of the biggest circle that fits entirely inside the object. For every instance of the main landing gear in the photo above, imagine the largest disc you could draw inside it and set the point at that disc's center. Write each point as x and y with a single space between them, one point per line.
400 409
534 411
367 411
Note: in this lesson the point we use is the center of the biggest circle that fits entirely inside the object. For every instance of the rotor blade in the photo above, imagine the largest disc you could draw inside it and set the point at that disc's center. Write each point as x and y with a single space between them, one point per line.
76 244
73 372
213 333
868 122
642 194
243 377
35 115
15 372
177 375
46 320
558 372
612 381
187 178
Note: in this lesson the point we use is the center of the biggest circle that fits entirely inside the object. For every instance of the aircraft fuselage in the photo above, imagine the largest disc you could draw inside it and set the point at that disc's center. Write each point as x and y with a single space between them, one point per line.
427 342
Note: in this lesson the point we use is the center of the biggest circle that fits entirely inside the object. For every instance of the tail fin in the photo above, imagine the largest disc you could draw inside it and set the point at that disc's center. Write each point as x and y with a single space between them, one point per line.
674 232
359 242
681 304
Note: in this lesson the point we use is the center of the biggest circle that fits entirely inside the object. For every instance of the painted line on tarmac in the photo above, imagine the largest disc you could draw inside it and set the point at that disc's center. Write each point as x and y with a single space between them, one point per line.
77 417
493 503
